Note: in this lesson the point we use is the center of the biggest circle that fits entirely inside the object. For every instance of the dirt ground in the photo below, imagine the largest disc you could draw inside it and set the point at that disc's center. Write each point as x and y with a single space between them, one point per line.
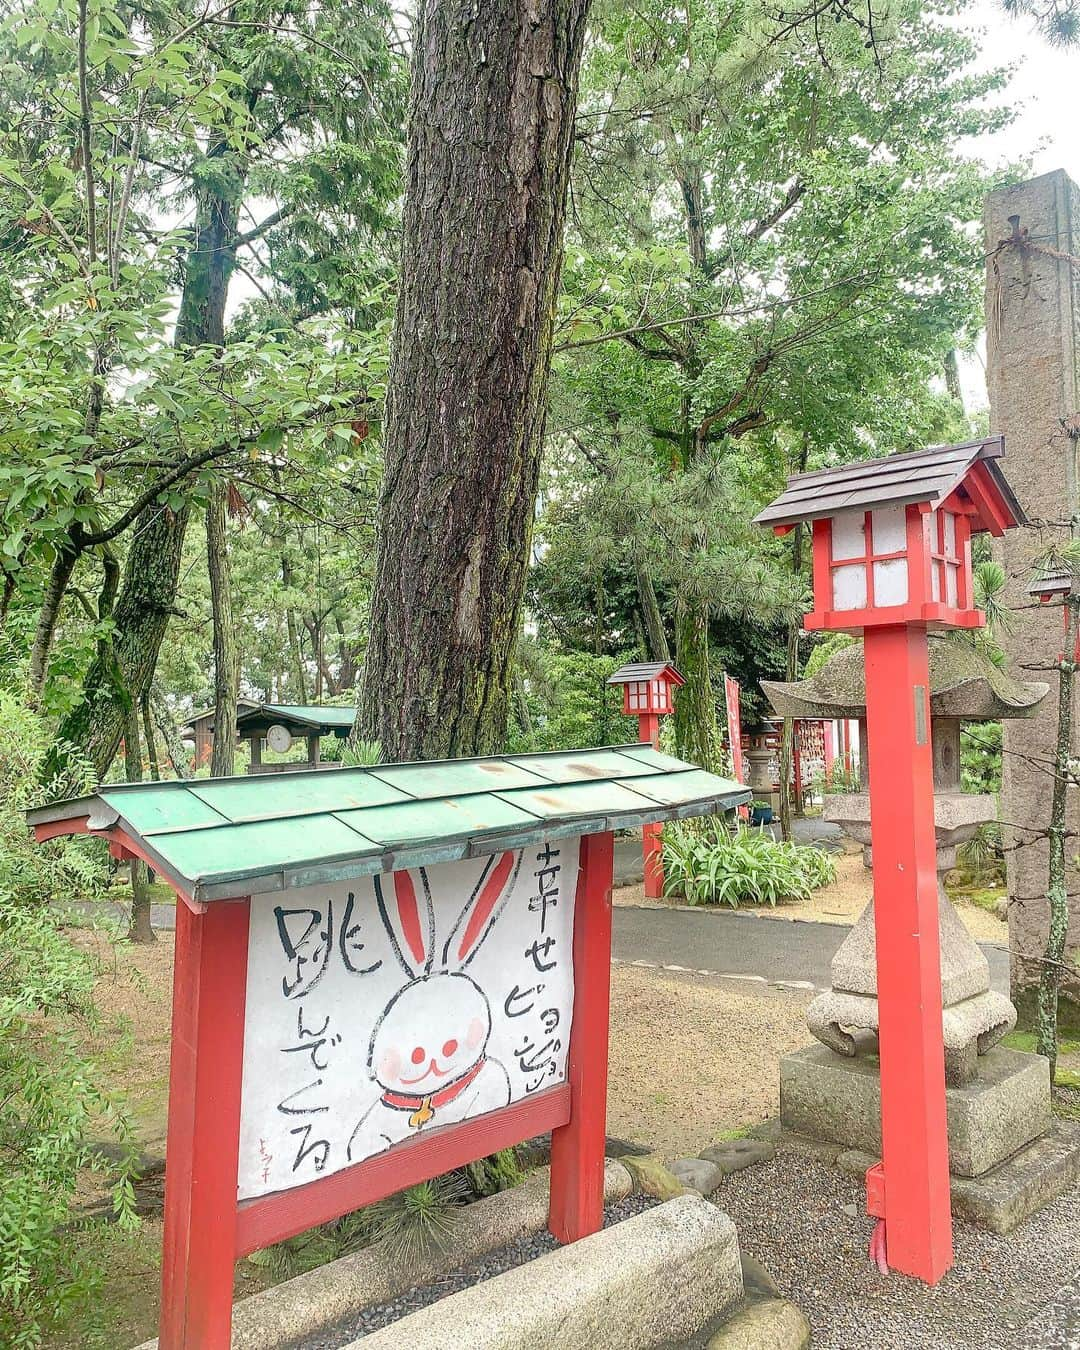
842 902
712 1071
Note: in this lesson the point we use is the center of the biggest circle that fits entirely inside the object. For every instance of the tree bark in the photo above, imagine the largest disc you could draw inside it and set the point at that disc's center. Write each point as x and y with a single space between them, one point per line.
140 930
696 729
150 738
49 614
651 612
226 656
493 97
1057 890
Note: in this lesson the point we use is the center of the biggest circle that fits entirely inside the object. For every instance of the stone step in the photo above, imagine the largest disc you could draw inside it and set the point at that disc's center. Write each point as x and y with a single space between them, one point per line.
652 1280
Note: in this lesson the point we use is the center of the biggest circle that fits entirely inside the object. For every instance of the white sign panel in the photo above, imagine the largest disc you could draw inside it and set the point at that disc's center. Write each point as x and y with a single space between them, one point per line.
386 1006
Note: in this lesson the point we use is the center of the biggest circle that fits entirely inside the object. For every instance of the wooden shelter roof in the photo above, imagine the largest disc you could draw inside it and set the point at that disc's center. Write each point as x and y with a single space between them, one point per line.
222 837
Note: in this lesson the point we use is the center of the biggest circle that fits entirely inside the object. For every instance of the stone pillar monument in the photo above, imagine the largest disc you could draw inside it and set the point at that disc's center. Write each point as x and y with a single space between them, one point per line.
1033 341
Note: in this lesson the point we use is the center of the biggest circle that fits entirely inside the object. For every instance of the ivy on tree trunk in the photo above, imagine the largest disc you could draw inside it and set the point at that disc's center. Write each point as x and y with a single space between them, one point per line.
492 103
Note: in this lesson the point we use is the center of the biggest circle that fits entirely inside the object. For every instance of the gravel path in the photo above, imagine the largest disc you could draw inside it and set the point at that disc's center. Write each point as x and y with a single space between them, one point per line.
495 1263
805 1222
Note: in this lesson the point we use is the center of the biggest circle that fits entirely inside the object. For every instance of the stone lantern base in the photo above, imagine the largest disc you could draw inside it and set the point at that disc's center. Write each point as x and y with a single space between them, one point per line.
1008 1156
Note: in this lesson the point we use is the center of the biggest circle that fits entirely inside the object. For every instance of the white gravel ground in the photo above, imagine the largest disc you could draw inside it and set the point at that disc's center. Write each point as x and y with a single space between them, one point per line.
805 1222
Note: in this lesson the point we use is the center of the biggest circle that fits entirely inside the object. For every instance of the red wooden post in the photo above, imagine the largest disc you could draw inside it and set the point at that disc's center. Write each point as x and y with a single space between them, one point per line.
209 988
577 1148
913 1124
652 835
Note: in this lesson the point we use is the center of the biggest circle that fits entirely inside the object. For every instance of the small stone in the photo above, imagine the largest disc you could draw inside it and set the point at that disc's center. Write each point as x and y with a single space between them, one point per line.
652 1176
732 1155
698 1174
766 1324
1001 909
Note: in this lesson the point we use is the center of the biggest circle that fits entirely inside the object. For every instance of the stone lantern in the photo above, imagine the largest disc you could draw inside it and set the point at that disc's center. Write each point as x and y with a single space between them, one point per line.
964 687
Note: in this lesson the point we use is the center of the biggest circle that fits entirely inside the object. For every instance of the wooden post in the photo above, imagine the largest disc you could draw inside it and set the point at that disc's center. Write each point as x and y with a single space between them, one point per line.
577 1148
915 1149
652 835
202 1152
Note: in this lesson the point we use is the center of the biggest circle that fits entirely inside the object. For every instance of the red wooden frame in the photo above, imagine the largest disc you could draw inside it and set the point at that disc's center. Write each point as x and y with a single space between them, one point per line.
915 1151
206 1229
920 608
652 854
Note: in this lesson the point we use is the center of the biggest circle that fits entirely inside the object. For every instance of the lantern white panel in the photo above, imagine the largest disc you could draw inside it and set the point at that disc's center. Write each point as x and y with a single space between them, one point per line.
949 525
950 584
890 581
849 587
935 581
384 1008
848 535
889 530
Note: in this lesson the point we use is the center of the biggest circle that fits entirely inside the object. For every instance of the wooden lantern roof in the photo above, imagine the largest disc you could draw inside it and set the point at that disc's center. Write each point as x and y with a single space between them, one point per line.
931 476
638 671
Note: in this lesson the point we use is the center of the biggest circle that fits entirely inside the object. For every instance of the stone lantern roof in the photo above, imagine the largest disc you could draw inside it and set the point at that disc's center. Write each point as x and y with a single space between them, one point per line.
964 683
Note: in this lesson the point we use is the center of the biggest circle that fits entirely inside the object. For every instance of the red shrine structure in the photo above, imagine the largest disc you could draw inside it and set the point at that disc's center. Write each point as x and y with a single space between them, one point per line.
892 559
328 1045
648 693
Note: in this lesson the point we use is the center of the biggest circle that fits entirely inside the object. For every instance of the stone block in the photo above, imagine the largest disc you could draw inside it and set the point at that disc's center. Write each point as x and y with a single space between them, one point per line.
732 1155
829 1097
763 1324
697 1174
303 1305
659 1277
1004 1197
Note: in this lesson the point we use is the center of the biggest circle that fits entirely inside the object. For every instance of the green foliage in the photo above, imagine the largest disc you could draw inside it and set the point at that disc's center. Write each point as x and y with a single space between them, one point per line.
824 650
982 856
708 864
980 757
408 1223
568 701
51 1102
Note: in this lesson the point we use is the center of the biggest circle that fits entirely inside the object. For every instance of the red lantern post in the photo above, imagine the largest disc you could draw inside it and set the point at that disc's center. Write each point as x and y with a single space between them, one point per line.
648 693
892 559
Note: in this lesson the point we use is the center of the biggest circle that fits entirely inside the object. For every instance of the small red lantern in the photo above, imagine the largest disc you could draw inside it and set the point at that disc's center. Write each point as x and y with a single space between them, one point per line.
649 692
892 537
1055 586
892 559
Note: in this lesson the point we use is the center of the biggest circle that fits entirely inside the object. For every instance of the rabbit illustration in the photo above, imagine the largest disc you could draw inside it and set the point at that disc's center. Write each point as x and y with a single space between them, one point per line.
428 1049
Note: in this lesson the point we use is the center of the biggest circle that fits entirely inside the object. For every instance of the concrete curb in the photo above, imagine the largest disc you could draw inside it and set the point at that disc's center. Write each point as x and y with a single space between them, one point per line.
655 1279
307 1303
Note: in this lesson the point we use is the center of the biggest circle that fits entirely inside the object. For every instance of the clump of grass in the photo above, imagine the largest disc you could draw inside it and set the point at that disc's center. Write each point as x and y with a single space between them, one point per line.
709 864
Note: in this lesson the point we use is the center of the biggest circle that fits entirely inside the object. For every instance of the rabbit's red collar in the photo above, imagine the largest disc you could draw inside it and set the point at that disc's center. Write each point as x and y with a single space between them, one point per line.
424 1107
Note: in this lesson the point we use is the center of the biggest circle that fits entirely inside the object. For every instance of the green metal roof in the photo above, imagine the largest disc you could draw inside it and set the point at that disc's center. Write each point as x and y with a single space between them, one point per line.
221 837
306 716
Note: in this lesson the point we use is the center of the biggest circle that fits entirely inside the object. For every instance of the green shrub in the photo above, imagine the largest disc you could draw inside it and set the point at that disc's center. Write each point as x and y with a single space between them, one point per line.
51 1103
980 757
709 864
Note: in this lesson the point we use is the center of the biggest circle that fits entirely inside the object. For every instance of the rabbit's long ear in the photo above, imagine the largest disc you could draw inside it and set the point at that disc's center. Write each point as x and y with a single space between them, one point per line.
409 918
485 904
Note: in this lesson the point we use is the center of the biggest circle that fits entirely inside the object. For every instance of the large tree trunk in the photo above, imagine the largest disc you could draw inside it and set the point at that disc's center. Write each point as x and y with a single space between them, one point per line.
494 90
226 656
